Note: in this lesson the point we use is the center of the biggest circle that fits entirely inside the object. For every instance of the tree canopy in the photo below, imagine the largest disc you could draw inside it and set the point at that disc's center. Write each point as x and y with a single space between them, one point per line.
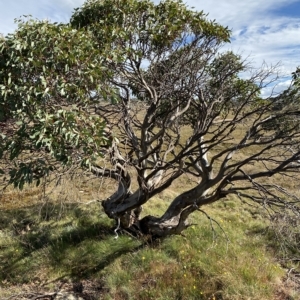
48 77
147 88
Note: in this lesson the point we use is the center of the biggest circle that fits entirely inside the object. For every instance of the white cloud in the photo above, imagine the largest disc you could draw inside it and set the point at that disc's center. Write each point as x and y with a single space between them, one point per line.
276 43
275 89
256 30
235 13
55 10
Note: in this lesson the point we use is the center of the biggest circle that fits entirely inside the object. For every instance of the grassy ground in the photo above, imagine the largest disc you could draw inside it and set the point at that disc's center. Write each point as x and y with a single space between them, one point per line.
57 237
60 236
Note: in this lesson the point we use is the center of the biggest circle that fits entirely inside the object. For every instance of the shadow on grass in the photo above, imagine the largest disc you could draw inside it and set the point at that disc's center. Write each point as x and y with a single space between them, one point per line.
78 245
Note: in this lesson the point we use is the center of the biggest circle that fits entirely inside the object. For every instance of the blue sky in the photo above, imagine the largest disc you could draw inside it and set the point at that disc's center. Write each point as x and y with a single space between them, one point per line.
291 9
263 31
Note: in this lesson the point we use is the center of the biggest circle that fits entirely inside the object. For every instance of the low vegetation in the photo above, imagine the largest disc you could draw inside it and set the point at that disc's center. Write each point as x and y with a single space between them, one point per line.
55 239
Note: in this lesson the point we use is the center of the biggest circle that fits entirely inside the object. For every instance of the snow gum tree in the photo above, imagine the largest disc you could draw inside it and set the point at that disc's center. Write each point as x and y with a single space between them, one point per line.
168 104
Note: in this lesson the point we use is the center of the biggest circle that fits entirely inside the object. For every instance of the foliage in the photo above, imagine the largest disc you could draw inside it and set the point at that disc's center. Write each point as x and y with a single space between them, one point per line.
154 28
47 81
